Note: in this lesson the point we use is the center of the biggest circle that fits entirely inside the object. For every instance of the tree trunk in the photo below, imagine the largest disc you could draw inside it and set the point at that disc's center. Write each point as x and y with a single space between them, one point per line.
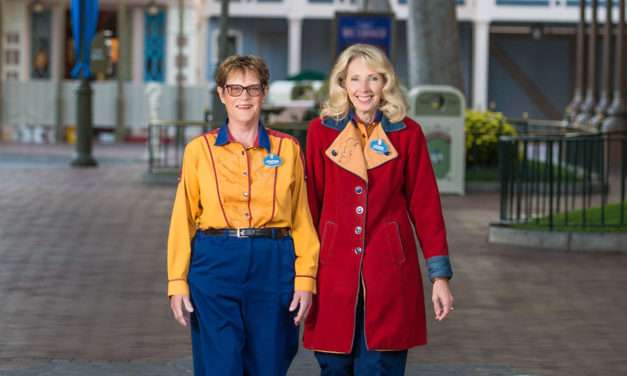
1 72
433 43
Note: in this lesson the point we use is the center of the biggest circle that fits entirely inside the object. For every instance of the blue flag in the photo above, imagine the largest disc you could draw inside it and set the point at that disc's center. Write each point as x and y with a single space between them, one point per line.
83 38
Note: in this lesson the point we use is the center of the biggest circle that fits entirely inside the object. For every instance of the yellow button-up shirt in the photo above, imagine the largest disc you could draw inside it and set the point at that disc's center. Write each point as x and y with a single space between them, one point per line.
226 185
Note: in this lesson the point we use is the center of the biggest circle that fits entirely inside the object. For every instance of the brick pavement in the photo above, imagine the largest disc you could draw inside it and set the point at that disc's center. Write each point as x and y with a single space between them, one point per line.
82 283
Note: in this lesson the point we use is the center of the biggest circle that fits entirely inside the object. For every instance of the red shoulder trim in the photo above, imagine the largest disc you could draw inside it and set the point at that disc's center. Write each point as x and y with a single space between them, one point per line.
281 135
315 121
410 122
275 133
413 125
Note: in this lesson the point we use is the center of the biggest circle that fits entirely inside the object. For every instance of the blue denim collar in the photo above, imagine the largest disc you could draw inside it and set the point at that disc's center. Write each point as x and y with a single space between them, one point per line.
263 140
340 124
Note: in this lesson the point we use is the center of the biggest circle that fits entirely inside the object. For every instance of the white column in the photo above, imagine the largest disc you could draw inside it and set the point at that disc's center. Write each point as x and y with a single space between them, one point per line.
172 48
57 65
57 58
295 33
203 53
481 60
191 49
26 36
15 22
138 45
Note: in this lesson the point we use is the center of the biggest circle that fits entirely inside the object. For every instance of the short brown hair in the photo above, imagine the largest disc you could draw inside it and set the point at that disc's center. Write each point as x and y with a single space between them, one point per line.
243 63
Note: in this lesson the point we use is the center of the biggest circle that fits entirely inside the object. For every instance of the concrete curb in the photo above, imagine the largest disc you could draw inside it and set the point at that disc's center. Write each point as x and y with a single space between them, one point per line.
495 186
563 241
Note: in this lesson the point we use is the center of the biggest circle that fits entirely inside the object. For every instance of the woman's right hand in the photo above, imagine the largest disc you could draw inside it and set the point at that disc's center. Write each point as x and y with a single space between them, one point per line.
181 307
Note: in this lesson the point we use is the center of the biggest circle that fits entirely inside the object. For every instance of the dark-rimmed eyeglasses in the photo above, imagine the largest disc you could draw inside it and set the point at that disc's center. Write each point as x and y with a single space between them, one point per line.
237 90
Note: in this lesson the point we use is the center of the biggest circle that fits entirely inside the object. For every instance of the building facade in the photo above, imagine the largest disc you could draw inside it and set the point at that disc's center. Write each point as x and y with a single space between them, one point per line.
517 55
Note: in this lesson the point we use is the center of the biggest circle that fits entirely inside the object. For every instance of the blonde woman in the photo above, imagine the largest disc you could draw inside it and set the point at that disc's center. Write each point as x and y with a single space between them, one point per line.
370 184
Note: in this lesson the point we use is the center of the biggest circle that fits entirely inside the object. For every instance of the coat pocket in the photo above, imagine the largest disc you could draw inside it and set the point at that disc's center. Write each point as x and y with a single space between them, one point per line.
395 242
327 242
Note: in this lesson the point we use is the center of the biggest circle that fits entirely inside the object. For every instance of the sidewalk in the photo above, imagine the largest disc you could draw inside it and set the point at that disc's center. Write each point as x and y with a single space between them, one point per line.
82 283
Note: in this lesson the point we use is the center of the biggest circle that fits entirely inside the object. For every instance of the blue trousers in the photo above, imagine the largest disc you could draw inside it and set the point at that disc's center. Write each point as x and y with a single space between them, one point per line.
362 362
241 289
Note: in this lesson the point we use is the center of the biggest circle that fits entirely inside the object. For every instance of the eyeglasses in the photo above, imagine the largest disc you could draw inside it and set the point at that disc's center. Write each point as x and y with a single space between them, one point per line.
237 90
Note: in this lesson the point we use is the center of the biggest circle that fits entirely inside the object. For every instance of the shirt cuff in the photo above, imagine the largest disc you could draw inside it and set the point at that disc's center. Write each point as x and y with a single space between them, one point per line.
305 283
178 287
439 267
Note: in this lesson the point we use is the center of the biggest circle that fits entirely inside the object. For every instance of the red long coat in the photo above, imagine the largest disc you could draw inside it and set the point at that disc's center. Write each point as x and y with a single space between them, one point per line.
363 204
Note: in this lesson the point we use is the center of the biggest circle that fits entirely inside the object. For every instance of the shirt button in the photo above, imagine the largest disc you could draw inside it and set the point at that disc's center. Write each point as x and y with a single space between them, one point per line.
358 250
245 194
359 190
245 173
246 215
359 210
358 230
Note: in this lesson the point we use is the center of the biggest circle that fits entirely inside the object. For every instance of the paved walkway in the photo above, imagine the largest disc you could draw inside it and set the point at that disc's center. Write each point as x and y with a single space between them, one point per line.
82 283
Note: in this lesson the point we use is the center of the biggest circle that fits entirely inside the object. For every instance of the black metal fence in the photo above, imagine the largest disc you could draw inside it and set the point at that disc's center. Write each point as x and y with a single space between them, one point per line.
167 139
569 180
166 142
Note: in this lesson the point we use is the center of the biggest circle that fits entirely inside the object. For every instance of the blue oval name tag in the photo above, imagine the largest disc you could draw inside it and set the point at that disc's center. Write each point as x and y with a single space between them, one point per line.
379 146
272 161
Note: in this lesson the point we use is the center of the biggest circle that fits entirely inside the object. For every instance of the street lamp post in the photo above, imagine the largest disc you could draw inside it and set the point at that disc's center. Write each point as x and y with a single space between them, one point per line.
218 113
121 73
83 101
180 93
180 100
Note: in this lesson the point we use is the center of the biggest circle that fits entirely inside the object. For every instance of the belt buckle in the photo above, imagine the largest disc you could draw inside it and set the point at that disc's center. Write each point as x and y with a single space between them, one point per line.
241 233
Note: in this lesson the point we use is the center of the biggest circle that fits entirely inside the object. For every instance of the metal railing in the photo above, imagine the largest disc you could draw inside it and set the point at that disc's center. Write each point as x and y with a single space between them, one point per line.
167 139
482 145
166 142
570 180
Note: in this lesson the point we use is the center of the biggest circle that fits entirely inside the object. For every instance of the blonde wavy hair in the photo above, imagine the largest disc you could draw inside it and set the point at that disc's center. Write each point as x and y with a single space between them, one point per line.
393 102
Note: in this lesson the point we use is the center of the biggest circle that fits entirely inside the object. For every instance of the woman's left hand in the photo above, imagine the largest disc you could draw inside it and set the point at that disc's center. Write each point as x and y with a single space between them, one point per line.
442 298
302 300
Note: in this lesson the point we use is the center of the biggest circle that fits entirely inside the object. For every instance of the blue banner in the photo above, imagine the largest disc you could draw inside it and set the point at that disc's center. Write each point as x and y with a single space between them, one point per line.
88 11
374 29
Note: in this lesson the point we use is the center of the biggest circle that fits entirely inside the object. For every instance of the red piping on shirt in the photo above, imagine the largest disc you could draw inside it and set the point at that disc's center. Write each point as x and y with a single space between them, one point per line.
276 172
215 174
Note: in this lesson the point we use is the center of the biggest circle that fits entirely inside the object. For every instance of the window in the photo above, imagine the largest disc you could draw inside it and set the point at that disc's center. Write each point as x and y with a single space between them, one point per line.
105 47
40 44
154 47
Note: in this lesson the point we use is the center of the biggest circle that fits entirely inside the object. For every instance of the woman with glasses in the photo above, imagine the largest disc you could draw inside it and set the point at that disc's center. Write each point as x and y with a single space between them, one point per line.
242 248
371 186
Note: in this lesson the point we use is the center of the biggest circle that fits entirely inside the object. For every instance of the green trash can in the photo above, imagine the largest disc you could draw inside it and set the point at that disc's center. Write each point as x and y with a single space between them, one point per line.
440 112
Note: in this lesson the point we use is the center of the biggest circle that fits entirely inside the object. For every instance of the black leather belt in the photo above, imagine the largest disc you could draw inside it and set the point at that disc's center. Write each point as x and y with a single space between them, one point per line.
267 232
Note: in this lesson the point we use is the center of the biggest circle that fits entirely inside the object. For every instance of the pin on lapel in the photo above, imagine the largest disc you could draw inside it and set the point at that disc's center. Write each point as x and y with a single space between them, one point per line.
380 146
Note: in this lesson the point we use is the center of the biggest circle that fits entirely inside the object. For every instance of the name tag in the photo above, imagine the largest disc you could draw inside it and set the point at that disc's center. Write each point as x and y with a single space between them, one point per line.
379 146
272 161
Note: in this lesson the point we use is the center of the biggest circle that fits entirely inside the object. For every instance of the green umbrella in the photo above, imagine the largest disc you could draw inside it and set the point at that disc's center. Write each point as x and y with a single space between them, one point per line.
308 75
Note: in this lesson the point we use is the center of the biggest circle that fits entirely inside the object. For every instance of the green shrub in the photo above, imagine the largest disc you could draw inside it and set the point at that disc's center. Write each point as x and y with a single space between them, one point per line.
320 96
483 129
